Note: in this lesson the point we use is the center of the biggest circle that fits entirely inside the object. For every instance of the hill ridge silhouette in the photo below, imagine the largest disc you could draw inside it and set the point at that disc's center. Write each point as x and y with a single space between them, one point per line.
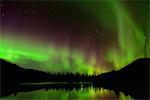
133 79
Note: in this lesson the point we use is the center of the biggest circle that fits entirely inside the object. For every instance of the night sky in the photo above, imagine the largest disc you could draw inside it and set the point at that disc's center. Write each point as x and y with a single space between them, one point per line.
74 36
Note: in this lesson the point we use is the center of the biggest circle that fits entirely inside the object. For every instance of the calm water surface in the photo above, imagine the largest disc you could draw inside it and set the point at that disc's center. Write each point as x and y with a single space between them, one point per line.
82 94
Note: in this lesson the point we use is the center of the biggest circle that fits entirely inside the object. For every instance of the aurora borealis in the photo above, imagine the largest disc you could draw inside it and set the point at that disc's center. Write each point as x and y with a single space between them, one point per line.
74 36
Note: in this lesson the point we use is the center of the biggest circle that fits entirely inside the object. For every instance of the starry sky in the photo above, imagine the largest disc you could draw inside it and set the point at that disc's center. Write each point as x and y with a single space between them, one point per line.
86 36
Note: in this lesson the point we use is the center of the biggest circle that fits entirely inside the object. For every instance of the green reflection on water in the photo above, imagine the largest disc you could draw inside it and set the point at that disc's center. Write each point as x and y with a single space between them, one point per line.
88 93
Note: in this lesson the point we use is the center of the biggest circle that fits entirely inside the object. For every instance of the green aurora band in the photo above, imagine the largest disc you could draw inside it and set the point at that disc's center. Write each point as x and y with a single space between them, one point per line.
51 58
130 38
48 58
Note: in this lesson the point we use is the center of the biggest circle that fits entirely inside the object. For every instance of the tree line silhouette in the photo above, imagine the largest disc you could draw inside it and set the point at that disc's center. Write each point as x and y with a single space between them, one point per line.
71 77
133 79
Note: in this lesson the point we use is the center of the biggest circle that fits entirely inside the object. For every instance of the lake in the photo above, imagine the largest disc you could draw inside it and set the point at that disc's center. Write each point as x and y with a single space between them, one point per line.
89 93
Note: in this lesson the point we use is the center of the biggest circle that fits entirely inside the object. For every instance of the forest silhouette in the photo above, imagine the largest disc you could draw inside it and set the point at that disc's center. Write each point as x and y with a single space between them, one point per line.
133 79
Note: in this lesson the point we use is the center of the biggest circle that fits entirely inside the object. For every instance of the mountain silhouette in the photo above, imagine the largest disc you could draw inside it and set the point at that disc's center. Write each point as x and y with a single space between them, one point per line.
12 75
133 79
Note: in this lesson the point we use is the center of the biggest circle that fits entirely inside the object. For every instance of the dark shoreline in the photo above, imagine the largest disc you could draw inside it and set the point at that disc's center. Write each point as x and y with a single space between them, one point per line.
133 79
